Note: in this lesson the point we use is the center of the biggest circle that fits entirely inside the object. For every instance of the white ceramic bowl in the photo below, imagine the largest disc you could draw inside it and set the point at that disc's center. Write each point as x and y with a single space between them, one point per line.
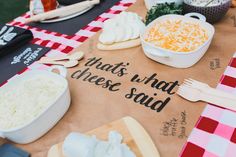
48 118
178 59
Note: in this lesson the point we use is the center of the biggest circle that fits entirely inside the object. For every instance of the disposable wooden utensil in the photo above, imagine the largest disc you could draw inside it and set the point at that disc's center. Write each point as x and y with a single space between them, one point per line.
74 56
67 64
193 94
64 11
133 133
207 89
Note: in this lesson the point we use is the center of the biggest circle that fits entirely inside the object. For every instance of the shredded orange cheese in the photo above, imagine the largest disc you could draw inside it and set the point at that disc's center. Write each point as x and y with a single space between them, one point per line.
177 35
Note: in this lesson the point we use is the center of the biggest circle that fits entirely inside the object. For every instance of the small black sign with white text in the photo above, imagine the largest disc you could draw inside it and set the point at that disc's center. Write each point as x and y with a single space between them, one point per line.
17 61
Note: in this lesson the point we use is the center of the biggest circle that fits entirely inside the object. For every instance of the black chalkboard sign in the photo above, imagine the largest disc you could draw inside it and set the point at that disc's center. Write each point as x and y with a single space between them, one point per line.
19 59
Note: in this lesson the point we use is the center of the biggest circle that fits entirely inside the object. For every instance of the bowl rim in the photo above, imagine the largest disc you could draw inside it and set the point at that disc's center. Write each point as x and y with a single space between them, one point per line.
197 6
171 51
41 73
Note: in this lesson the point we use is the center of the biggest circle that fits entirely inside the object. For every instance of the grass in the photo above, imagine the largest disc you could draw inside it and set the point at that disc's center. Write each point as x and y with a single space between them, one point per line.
10 9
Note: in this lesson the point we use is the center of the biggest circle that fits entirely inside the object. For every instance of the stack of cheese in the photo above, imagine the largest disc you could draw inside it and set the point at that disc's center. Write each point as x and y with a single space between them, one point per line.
122 31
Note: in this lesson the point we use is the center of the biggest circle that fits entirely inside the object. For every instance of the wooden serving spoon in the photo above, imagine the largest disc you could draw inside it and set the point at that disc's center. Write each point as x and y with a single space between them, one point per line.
67 64
74 56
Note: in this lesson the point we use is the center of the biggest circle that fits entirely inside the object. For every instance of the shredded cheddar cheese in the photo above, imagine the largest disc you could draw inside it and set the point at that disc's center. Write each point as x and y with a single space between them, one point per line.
177 35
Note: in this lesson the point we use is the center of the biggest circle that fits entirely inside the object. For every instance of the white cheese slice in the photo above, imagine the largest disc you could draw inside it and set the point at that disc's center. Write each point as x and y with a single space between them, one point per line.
119 34
107 38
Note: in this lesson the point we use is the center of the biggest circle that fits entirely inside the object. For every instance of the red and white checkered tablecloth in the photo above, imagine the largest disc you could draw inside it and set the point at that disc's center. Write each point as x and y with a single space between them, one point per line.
215 132
61 44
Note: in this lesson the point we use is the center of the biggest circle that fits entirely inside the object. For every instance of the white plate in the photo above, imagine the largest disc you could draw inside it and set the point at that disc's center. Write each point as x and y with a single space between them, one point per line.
66 17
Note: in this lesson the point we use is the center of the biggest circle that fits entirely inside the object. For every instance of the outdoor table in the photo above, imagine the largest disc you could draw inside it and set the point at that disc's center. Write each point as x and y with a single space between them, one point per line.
180 128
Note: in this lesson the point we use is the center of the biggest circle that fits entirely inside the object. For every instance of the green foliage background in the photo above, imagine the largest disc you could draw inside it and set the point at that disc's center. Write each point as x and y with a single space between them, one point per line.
10 9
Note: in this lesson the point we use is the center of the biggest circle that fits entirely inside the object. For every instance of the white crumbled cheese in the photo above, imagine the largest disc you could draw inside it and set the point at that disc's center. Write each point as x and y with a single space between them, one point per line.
77 144
20 103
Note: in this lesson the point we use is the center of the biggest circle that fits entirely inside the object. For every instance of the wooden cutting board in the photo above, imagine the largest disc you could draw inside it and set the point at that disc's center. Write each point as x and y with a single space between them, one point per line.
134 135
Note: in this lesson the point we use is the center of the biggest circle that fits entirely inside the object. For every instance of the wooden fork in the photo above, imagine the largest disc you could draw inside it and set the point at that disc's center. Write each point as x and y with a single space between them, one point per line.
207 89
194 95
